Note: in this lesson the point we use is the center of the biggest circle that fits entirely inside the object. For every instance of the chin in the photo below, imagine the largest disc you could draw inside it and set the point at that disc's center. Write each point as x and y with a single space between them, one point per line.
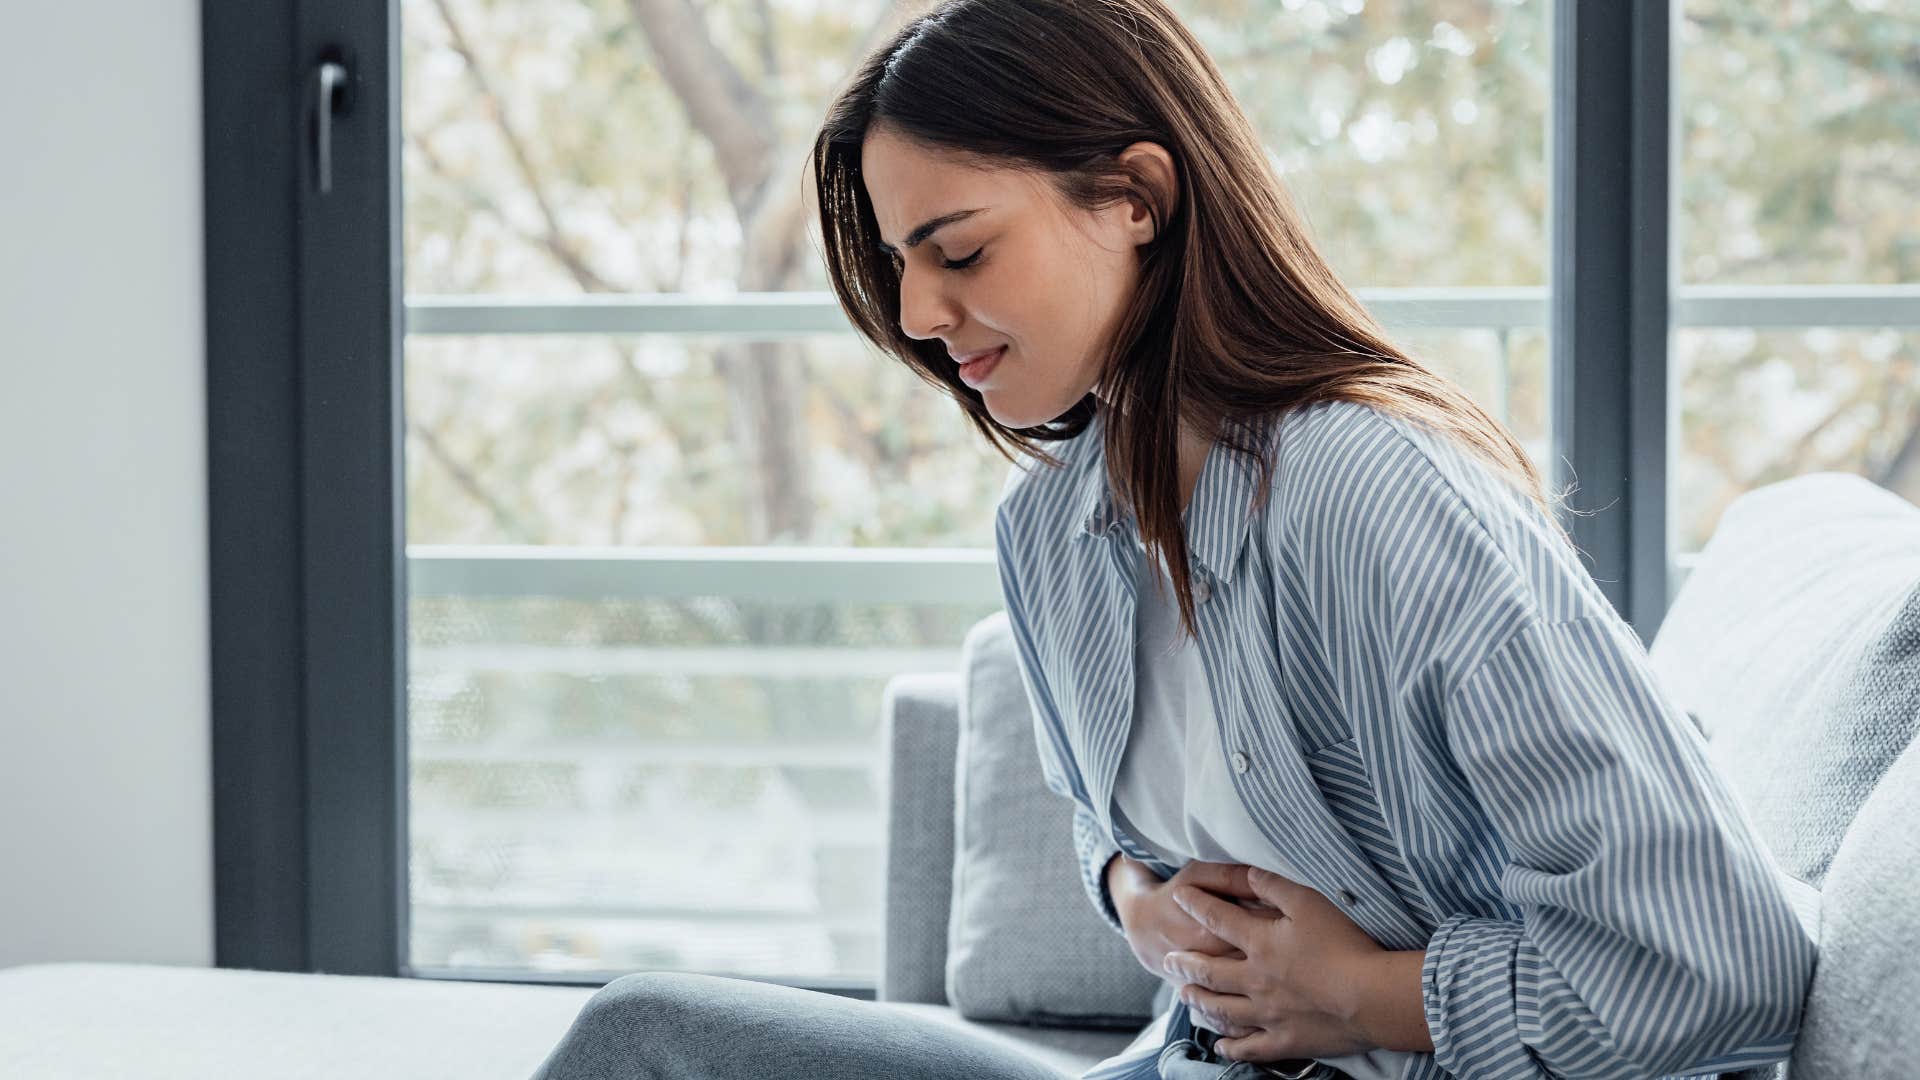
1013 418
1017 415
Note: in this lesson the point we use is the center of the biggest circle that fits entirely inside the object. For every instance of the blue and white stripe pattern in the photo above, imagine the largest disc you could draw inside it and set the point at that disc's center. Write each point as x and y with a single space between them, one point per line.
1430 705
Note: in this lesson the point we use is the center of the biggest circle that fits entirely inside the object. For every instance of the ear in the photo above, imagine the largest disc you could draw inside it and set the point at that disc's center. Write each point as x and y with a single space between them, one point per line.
1154 166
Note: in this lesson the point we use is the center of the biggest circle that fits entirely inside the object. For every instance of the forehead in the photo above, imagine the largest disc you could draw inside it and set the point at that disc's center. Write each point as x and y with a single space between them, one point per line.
909 183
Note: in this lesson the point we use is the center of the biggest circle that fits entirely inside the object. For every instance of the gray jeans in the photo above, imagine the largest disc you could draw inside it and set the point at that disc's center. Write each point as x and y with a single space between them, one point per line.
668 1025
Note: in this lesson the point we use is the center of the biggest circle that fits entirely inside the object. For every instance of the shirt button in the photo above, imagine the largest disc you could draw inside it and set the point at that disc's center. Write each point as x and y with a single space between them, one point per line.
1347 897
1201 590
1240 762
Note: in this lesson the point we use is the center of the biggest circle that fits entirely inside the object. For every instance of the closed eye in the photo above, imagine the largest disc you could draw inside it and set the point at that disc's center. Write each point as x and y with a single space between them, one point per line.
962 264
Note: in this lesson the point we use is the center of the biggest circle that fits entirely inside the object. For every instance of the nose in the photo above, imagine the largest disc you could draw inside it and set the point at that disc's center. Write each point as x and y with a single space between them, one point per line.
924 310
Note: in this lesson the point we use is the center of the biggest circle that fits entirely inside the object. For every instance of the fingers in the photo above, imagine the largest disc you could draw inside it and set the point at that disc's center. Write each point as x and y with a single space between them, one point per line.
1184 967
1221 917
1200 940
1225 878
1204 941
1273 889
1216 973
1227 1014
1227 1031
1254 1044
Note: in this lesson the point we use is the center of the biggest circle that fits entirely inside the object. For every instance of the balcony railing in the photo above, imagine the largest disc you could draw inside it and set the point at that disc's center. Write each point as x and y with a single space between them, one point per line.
806 576
790 314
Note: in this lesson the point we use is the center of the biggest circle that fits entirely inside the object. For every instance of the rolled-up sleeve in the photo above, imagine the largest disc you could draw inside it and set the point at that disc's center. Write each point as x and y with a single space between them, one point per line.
1643 929
1657 938
1091 846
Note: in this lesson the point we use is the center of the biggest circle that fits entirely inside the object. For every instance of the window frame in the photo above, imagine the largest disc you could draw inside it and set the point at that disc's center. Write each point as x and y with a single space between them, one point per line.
1610 210
304 484
306 539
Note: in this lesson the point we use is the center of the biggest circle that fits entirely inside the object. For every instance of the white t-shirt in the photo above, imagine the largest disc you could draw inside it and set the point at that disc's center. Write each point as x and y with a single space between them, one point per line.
1173 791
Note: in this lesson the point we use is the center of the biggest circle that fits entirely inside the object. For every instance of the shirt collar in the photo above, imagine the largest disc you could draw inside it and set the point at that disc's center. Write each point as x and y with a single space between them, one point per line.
1219 514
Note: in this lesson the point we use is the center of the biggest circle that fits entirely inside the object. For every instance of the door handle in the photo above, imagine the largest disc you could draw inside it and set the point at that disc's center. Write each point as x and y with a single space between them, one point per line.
330 82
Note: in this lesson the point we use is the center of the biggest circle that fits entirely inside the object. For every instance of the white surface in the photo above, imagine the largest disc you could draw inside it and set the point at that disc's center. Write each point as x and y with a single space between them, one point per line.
105 798
150 1022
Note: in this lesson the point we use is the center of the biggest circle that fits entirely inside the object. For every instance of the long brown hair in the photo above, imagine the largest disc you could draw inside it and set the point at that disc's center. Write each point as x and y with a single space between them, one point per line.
1237 317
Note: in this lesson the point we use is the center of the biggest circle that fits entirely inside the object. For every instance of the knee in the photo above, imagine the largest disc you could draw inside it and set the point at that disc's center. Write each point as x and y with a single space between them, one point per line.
626 1029
643 998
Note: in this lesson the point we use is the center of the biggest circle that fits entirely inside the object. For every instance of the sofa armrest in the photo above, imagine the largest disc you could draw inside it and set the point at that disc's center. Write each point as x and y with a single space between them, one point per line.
920 734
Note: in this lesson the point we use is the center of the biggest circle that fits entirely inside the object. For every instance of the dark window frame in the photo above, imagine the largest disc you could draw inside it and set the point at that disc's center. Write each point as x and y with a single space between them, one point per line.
306 548
1611 290
306 489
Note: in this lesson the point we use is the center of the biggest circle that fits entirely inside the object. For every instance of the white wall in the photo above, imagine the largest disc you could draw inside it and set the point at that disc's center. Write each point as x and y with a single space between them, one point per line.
105 798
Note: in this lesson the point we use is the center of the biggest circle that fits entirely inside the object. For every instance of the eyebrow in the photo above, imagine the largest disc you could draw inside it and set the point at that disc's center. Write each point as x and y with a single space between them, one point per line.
928 228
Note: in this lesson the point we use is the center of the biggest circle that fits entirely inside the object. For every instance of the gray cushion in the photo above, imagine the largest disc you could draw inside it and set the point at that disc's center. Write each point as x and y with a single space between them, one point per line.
1072 1050
1023 942
1859 1023
920 729
1792 642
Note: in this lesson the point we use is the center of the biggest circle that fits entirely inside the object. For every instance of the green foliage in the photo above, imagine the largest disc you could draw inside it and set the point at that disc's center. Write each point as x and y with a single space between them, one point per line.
548 155
549 151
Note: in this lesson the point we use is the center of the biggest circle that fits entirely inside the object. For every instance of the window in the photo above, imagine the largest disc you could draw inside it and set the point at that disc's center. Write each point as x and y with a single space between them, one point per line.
564 536
660 573
1797 345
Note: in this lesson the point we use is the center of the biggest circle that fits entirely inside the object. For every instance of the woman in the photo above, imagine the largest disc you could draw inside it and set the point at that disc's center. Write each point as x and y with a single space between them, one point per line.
1360 758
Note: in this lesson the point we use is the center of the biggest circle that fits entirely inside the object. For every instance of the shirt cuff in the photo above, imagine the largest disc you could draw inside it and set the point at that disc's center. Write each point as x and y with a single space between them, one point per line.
1094 871
1467 986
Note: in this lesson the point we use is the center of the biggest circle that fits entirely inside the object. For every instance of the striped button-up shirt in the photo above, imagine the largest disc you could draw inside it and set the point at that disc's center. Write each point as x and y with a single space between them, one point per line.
1429 704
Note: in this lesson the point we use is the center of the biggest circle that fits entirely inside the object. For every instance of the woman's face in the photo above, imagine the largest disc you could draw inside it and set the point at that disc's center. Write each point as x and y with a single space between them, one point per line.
1012 266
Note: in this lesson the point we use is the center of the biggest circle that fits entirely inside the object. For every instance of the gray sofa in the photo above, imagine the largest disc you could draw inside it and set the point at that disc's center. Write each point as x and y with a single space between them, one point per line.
1795 643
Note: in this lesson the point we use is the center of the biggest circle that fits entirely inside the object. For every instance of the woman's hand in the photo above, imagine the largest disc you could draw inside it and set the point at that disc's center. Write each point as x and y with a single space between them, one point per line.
1156 926
1281 996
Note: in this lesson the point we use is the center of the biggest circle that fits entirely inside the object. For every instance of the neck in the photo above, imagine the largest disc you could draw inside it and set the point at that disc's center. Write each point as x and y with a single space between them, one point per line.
1193 458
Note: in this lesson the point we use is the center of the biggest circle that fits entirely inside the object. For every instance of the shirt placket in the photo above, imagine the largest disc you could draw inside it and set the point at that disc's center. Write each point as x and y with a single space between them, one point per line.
1329 860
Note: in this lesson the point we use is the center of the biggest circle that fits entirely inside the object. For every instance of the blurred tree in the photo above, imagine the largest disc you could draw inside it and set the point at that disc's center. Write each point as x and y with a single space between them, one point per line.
734 92
600 146
571 147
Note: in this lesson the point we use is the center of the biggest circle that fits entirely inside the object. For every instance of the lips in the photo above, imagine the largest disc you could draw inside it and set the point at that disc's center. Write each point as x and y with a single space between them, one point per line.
966 358
975 372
